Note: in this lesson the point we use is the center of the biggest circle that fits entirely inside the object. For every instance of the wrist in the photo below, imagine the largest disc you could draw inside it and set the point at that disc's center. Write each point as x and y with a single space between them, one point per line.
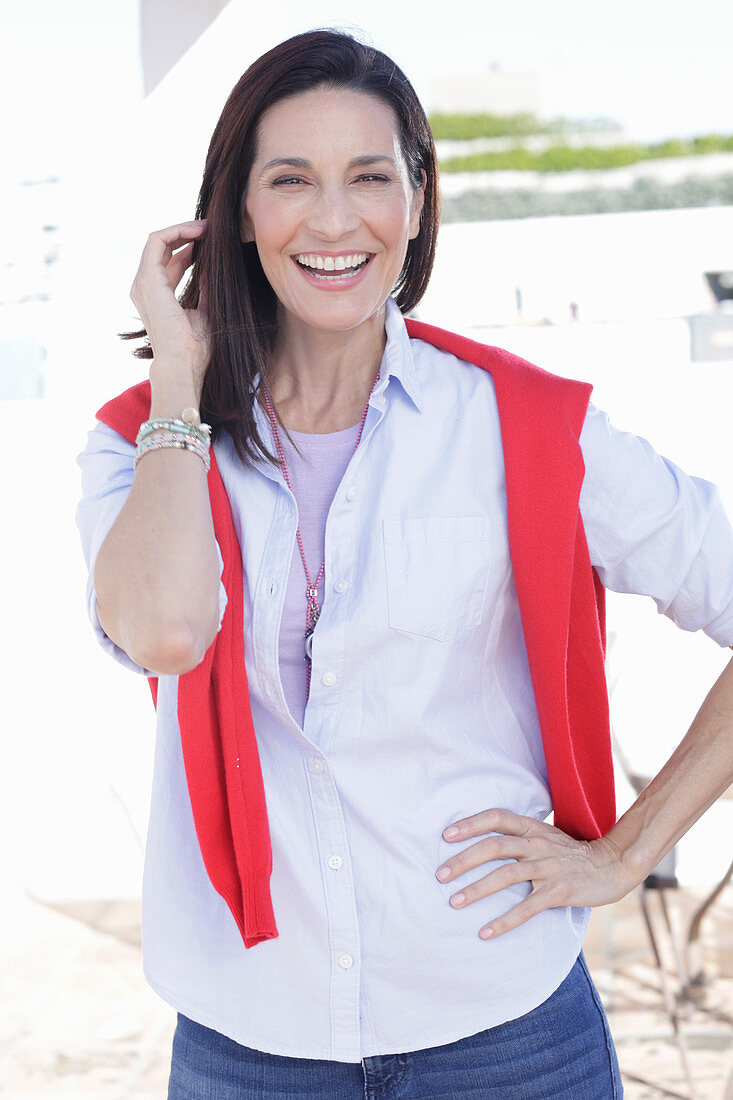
633 855
171 390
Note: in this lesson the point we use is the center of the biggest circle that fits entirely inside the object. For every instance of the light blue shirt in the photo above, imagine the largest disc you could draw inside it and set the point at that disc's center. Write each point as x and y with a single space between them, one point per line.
420 712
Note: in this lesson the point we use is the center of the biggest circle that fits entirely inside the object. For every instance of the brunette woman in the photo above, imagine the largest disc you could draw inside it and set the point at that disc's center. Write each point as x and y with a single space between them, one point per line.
362 562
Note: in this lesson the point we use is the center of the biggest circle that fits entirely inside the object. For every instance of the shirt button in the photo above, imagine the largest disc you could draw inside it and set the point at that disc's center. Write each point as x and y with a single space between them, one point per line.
341 586
317 765
345 961
351 493
329 679
334 862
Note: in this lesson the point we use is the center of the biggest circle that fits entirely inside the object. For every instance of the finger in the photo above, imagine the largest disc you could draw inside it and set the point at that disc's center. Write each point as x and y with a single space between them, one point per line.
161 243
491 848
181 231
510 874
174 266
177 266
492 821
518 914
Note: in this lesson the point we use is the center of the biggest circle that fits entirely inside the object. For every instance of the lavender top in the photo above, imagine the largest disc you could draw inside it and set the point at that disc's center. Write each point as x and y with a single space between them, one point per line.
314 474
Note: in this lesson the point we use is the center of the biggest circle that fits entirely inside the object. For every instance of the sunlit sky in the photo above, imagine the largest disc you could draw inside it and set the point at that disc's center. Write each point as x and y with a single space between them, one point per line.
660 68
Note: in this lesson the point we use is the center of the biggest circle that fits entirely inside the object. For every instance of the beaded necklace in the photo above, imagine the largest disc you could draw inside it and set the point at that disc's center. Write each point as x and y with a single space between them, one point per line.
312 609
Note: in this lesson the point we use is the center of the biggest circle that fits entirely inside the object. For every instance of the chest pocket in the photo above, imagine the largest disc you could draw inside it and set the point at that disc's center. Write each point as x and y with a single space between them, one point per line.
437 573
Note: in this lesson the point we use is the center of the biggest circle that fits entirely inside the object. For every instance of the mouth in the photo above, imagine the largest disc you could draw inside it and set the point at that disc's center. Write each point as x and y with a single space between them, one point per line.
333 268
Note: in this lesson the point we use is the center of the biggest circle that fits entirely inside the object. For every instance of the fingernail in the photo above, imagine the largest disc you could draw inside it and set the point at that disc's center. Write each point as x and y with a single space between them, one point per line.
443 873
458 899
451 831
485 933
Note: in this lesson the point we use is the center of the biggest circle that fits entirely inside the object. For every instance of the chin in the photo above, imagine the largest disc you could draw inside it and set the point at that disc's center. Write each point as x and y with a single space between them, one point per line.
334 315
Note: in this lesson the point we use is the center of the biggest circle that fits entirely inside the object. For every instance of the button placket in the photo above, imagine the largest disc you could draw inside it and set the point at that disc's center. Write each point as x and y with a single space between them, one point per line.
340 898
270 592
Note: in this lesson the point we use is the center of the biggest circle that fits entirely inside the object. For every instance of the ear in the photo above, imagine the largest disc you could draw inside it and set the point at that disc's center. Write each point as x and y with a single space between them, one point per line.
418 201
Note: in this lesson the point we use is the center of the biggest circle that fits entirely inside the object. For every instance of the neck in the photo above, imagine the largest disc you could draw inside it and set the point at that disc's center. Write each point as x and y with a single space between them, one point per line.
320 381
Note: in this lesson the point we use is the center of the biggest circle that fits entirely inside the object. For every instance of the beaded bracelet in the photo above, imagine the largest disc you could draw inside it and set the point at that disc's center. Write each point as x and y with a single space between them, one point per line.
155 443
173 433
201 432
168 436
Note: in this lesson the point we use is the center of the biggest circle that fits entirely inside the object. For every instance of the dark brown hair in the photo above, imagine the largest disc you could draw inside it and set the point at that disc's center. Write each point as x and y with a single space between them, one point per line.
241 304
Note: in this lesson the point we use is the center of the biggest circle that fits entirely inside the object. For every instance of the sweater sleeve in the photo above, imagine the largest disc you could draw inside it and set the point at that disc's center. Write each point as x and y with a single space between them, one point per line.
652 529
106 473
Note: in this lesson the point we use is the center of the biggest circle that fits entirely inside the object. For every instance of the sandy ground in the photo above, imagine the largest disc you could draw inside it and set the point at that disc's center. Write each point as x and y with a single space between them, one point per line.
77 1018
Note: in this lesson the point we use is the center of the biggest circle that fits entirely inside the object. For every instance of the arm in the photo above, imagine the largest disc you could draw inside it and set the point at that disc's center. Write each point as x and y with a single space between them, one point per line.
652 529
564 871
156 574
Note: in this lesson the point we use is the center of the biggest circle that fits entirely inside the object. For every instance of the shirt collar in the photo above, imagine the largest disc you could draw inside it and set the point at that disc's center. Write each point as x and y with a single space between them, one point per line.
397 361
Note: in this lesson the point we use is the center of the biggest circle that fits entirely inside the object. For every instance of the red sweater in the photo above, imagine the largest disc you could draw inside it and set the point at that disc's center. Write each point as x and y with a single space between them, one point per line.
562 606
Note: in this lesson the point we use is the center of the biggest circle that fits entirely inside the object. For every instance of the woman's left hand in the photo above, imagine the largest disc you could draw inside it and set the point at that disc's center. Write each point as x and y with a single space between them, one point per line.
562 871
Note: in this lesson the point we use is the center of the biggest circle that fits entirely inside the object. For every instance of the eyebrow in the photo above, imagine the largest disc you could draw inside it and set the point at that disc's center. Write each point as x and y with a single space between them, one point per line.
300 162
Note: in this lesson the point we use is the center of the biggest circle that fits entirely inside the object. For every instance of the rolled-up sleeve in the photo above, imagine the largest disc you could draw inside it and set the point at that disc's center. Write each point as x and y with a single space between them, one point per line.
652 529
106 473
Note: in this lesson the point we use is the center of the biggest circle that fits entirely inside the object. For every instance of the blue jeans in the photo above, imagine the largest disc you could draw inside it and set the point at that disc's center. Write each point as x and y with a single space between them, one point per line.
561 1050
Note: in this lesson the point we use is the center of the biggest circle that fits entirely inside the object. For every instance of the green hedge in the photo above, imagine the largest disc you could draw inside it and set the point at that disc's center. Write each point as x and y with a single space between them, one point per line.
493 205
465 127
565 158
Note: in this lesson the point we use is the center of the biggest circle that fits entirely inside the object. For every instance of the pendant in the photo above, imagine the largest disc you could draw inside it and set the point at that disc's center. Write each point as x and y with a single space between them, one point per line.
314 611
309 637
309 643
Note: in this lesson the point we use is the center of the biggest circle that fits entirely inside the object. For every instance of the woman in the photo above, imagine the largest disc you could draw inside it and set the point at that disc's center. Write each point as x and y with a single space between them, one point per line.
397 543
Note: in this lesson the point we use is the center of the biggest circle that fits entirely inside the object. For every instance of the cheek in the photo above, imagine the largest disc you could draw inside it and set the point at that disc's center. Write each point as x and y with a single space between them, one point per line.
270 224
398 221
387 224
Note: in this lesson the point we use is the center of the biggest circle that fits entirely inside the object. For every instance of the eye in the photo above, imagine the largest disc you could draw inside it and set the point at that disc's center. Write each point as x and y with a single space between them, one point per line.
287 179
373 178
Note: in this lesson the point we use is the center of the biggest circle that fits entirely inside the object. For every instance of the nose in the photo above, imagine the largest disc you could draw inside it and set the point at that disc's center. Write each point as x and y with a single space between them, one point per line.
332 215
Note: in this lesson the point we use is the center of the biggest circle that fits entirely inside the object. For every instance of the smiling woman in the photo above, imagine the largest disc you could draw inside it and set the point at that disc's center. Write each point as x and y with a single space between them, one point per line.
377 653
333 216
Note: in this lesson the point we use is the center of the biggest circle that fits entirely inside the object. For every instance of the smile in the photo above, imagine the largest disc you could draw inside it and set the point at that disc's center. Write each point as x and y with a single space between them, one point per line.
332 268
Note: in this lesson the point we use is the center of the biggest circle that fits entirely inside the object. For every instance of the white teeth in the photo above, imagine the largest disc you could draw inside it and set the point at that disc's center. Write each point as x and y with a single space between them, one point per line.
331 263
346 264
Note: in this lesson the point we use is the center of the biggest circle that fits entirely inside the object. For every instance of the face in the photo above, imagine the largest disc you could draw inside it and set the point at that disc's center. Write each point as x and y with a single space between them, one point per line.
330 207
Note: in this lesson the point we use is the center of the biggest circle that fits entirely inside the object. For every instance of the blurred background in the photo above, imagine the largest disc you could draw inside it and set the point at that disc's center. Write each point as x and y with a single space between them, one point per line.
587 179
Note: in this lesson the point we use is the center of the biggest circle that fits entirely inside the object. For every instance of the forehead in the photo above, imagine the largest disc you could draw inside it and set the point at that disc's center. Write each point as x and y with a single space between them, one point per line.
324 119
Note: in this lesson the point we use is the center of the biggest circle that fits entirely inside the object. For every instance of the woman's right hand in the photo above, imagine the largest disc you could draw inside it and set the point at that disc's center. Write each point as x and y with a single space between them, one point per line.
179 337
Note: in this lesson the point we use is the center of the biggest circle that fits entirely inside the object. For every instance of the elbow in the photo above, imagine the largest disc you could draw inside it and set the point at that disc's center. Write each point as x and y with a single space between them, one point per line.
158 637
174 650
